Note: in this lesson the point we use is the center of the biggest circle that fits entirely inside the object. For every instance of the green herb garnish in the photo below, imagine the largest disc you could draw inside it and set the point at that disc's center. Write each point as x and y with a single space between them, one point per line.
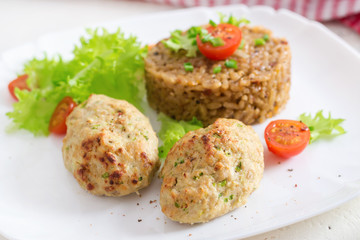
194 31
266 37
231 197
186 41
105 175
238 167
217 69
177 163
226 199
205 36
217 42
145 136
231 63
259 42
223 183
177 205
242 44
232 20
95 126
321 127
212 23
217 135
188 67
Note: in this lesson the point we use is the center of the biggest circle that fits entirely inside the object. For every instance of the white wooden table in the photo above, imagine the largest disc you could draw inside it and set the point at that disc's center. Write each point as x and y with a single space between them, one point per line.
24 21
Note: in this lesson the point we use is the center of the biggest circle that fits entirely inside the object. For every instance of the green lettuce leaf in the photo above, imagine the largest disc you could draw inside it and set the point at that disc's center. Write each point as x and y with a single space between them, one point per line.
103 63
232 20
171 131
322 127
186 41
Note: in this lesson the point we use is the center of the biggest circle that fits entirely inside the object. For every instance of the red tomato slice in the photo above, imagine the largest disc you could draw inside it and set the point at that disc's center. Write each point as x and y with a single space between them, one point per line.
57 123
287 138
231 36
19 82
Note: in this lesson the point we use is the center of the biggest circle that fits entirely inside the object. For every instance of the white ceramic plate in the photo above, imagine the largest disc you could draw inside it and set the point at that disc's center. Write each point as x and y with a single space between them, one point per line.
40 200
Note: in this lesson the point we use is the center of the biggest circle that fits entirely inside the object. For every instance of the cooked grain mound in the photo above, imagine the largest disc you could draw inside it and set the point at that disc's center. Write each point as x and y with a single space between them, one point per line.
110 147
256 90
211 171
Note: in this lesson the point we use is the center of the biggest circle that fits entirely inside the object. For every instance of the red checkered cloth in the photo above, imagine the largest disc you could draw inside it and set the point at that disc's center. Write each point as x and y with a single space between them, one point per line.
347 11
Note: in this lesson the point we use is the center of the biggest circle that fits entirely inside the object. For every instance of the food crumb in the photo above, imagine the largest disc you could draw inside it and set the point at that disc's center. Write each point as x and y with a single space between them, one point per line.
155 206
318 178
232 216
190 234
152 201
279 163
329 227
296 185
139 220
339 175
290 169
157 218
111 213
137 204
290 176
123 215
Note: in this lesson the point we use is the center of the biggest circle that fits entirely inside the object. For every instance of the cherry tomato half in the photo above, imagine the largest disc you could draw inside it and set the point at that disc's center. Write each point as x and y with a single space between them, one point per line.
19 82
57 123
231 36
287 138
